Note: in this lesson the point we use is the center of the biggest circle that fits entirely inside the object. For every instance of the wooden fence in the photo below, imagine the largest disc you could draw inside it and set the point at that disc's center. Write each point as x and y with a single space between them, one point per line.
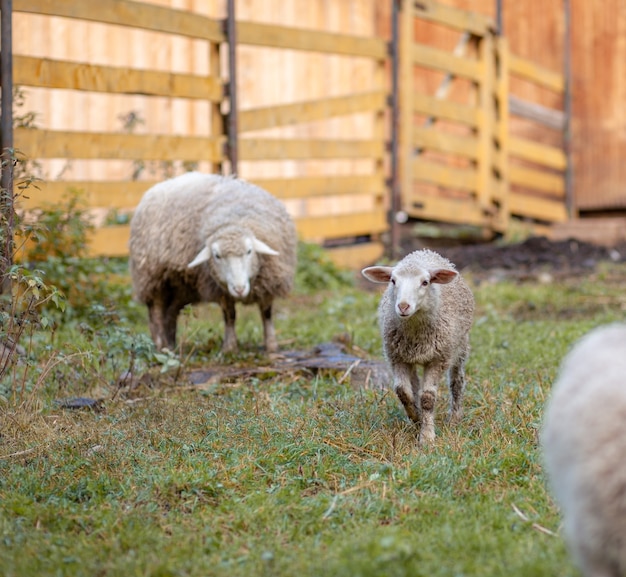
326 154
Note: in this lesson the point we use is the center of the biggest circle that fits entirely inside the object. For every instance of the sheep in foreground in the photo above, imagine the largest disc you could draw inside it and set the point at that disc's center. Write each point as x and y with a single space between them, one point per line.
584 446
209 238
425 317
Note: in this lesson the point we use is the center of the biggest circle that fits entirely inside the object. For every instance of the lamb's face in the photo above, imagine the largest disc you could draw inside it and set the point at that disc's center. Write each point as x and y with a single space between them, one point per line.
410 286
234 261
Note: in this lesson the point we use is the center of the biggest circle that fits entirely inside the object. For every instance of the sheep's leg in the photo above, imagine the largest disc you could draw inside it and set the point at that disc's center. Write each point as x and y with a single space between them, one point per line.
230 337
271 344
405 383
158 323
427 400
456 382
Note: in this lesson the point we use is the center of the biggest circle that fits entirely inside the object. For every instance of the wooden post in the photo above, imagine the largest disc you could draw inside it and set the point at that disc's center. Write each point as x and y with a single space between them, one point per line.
501 221
572 212
6 138
233 128
396 200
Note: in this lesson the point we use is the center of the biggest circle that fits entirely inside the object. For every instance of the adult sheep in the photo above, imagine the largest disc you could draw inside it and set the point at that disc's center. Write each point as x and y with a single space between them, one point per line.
210 238
584 448
425 317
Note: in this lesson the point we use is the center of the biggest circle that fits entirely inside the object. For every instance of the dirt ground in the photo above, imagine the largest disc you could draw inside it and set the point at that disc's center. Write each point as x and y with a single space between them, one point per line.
530 259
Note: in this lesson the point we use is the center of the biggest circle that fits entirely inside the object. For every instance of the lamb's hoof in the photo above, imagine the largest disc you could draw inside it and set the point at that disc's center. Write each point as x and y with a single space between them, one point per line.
426 438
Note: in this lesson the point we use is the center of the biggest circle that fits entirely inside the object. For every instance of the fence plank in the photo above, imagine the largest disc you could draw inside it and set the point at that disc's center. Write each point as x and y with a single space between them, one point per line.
131 14
448 210
46 73
544 209
539 153
435 139
309 111
476 23
446 110
317 228
302 149
537 74
357 256
291 188
535 179
437 59
274 36
444 175
37 143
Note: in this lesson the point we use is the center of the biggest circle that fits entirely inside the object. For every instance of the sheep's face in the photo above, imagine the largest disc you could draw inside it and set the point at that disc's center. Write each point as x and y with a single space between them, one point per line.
410 287
234 265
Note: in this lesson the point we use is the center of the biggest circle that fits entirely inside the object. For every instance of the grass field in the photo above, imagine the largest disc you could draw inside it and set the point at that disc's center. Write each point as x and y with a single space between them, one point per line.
297 474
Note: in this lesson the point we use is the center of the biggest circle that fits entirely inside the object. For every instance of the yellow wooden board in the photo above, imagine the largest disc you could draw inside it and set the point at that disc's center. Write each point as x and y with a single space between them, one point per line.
314 186
532 151
435 139
445 210
357 256
434 11
444 175
539 208
46 73
128 13
445 110
274 36
302 149
437 59
35 143
318 228
300 112
537 180
535 73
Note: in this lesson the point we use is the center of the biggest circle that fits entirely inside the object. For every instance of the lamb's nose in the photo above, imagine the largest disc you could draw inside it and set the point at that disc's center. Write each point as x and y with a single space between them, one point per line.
403 307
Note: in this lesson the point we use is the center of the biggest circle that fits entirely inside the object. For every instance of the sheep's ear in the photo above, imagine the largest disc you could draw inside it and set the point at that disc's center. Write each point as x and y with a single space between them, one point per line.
442 275
203 256
380 274
262 248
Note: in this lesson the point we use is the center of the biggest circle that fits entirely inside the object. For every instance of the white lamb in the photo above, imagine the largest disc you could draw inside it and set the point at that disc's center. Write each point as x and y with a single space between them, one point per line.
425 318
210 238
584 446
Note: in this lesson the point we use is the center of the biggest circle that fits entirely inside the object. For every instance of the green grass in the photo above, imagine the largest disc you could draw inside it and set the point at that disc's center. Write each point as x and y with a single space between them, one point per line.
295 474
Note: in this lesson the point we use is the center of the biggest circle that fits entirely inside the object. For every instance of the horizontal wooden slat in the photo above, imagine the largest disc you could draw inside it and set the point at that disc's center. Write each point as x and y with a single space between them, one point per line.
36 143
290 188
443 175
473 22
356 256
312 110
301 149
435 139
549 117
445 210
274 36
539 153
539 208
537 180
46 73
109 241
125 194
535 73
132 14
446 110
316 228
437 59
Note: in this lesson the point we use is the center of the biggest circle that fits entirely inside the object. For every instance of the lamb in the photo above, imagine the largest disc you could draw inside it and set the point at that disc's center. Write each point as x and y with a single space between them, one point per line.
583 439
210 238
425 317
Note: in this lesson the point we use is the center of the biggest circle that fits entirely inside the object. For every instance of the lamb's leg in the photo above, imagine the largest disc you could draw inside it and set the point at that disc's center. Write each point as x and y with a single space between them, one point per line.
230 337
427 400
456 381
404 383
271 344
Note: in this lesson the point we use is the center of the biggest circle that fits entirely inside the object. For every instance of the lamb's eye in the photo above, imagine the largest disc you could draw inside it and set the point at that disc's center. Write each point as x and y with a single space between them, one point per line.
217 256
393 281
425 283
249 251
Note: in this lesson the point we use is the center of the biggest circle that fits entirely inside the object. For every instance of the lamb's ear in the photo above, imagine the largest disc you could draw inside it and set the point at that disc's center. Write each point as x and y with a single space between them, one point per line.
203 256
443 275
380 274
262 248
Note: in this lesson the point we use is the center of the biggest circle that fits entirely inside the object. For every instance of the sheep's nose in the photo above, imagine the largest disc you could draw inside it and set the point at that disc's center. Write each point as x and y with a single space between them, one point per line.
240 289
403 307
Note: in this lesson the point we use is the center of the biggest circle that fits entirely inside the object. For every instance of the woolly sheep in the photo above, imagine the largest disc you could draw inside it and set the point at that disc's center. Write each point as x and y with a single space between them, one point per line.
584 445
425 317
210 238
